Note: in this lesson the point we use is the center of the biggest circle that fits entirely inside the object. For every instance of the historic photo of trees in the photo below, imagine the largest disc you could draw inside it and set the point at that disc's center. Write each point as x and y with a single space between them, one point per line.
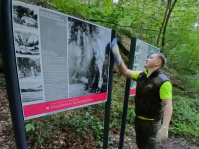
29 74
26 43
88 58
25 16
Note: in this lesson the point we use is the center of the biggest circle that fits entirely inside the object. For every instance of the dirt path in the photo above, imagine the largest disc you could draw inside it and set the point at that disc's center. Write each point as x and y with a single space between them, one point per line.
171 143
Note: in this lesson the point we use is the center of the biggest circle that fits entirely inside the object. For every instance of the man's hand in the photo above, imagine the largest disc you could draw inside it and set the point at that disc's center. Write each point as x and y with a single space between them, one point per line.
116 52
162 134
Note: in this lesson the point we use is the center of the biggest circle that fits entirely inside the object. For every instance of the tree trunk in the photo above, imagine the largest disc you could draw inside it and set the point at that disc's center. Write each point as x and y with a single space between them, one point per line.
163 22
167 20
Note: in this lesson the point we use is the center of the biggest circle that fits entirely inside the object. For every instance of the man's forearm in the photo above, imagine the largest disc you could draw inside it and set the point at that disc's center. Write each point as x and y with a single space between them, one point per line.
122 68
163 132
168 109
125 71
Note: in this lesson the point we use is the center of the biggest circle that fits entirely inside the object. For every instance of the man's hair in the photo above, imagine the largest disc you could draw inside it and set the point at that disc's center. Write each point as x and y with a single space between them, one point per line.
162 58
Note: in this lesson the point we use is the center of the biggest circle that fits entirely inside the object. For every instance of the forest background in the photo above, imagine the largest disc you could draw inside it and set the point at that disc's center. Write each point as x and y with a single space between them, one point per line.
171 25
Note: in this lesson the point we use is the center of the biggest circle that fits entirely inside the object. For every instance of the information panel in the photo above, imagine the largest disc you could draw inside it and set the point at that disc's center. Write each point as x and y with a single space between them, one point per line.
62 61
142 51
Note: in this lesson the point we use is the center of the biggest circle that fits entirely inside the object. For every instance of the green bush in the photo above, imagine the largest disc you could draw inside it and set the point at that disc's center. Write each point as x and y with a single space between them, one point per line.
130 117
188 84
185 119
86 124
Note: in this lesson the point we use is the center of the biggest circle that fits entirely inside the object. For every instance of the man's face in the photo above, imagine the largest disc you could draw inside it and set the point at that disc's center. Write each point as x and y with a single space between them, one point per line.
152 61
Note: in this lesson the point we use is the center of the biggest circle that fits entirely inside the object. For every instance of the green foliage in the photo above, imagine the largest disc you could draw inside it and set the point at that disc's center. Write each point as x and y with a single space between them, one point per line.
189 85
46 129
87 124
29 127
185 120
34 128
130 117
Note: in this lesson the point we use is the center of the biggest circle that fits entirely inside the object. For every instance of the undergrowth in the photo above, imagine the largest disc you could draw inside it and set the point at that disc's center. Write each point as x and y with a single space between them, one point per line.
185 119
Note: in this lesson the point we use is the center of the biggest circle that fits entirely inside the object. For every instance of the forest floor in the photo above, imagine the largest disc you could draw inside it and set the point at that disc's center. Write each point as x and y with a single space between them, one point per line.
7 140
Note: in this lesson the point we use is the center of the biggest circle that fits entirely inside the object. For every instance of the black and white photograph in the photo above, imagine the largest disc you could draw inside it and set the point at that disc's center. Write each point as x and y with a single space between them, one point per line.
88 56
26 43
136 58
138 47
30 80
24 16
135 67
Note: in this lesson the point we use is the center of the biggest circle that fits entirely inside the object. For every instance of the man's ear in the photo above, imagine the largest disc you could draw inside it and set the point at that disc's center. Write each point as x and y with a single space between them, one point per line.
158 63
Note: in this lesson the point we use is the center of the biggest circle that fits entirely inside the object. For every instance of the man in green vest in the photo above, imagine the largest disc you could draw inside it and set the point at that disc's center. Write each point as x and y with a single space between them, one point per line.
153 99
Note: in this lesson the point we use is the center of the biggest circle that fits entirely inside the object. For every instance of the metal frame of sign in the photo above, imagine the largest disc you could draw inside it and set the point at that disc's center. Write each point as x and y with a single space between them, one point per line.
12 83
10 71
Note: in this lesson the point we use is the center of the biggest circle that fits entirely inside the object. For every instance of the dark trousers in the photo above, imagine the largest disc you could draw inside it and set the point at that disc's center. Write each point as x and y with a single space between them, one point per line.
146 133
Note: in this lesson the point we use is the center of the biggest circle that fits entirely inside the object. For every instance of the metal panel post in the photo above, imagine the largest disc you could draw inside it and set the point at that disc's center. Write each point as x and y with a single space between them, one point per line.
127 91
11 75
108 103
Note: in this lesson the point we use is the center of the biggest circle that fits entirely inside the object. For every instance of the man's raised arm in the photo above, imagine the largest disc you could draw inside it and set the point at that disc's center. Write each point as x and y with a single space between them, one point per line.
119 62
125 71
